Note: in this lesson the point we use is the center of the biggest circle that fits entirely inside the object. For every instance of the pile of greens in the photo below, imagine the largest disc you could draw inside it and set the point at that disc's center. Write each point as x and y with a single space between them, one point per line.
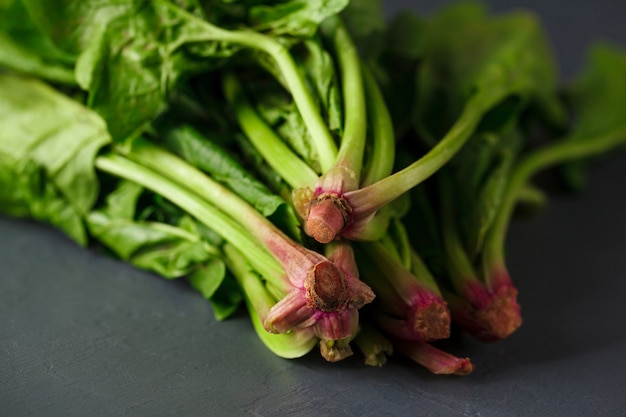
349 179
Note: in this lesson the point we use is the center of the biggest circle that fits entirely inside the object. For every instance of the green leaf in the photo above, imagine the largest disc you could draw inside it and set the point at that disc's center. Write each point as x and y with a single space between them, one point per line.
48 143
319 68
598 95
24 48
278 109
169 250
299 18
205 154
130 53
208 278
480 63
598 99
140 56
226 299
73 24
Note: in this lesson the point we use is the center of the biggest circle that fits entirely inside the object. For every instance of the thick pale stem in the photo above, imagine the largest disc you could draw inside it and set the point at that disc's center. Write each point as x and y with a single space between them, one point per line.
195 206
259 302
300 264
270 146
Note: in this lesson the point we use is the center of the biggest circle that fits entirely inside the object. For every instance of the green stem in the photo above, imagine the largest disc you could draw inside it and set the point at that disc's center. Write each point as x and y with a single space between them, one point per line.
458 263
355 114
535 161
296 260
374 345
259 302
265 140
320 135
368 200
13 56
382 156
222 224
420 269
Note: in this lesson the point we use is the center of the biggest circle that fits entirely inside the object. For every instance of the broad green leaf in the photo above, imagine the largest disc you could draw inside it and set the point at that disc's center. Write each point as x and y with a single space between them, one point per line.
25 49
139 58
130 53
74 24
208 278
480 63
48 143
226 299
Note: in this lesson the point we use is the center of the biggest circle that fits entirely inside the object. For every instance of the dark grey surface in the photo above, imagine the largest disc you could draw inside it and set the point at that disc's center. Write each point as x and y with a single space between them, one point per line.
84 335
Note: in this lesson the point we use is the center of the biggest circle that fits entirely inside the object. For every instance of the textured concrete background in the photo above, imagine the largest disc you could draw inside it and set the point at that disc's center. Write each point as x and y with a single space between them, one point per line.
84 335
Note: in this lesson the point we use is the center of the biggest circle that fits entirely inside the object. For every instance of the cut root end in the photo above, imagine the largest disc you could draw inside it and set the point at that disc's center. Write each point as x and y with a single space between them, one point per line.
328 216
489 315
432 322
326 288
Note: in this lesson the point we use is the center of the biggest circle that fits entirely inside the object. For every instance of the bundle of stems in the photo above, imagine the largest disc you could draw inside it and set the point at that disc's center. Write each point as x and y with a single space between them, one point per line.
346 195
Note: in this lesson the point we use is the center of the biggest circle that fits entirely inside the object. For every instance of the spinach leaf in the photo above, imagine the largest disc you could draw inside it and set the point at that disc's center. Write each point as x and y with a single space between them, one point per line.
139 58
48 143
73 25
597 97
481 175
480 63
24 48
299 18
206 155
226 298
169 250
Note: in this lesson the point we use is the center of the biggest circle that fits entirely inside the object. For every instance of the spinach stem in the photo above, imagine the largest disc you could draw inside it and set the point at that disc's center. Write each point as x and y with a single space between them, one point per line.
367 200
458 264
382 156
293 78
259 302
352 143
553 154
221 223
270 146
294 258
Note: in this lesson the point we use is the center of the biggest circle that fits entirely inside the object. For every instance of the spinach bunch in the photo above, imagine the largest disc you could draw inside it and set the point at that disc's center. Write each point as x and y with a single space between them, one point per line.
350 180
